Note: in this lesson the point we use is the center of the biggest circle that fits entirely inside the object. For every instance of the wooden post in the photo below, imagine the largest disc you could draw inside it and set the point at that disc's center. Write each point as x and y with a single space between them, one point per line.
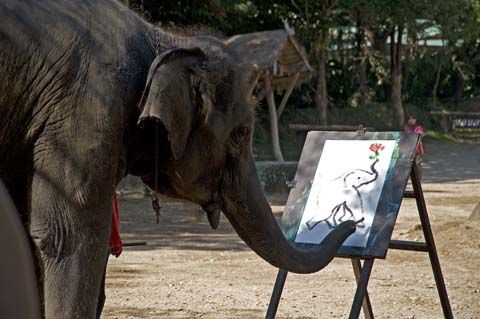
432 250
287 95
366 305
276 294
361 291
277 152
444 123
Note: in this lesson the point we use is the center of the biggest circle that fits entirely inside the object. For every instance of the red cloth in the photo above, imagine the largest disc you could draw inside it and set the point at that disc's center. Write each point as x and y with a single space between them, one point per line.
115 243
416 129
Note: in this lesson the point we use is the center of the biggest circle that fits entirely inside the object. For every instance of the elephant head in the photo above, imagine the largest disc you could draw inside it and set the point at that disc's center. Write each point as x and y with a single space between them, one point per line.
198 119
360 177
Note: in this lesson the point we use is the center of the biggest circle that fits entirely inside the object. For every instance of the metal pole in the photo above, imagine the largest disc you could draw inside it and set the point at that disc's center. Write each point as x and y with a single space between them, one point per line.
276 294
432 250
139 243
361 289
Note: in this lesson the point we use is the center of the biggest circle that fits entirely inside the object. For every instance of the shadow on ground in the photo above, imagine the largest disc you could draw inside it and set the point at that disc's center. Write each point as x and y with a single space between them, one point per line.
182 225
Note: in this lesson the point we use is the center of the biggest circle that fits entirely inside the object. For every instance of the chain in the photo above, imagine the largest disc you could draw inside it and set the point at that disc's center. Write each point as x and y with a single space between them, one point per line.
155 202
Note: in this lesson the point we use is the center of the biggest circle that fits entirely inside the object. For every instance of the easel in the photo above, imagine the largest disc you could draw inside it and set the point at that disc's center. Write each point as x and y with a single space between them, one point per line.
363 272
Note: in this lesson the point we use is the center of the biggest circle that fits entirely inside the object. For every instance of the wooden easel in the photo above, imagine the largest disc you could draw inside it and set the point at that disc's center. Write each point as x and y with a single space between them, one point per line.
363 271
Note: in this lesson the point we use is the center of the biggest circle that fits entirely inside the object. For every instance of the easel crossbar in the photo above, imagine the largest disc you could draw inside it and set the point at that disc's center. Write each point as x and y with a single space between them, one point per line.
409 194
408 245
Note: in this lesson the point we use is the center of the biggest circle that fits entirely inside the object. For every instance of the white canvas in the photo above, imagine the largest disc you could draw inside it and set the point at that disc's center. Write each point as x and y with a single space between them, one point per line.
347 185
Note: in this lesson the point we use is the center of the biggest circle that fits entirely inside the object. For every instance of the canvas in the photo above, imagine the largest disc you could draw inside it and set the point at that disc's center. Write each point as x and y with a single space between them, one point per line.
325 191
347 186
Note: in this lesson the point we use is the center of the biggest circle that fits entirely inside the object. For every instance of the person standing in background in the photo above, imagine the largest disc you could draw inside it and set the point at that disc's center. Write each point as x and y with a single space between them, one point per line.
413 127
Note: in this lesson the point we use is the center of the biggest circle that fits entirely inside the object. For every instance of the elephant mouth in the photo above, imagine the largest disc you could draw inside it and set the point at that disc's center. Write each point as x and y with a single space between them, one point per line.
213 207
165 187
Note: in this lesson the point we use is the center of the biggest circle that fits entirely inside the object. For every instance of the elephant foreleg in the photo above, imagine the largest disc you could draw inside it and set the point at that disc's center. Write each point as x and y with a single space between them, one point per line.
69 223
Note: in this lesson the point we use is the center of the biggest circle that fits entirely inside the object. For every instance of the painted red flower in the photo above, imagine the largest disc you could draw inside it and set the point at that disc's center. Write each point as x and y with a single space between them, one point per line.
376 147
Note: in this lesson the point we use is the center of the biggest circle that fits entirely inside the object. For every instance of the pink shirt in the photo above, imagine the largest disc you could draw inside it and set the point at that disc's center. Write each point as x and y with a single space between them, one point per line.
417 129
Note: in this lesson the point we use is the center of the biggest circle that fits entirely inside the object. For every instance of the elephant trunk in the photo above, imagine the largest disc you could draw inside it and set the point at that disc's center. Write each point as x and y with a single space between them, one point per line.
254 222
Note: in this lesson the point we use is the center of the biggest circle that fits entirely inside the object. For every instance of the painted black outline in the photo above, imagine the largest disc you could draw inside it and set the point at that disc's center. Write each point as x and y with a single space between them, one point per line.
333 220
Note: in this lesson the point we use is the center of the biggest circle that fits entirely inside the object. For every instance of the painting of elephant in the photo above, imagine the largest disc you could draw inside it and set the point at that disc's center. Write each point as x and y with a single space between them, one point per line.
90 92
351 205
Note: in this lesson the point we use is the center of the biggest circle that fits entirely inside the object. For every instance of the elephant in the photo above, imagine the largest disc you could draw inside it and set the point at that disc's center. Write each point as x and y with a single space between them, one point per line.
90 92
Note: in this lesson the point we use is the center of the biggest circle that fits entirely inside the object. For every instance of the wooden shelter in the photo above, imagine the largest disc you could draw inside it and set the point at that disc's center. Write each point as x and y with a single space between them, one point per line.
282 64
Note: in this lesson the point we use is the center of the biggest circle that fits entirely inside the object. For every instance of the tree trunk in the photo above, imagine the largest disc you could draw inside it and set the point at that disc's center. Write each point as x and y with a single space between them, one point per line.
459 87
436 84
321 94
396 100
411 47
379 44
341 53
321 45
361 64
379 39
277 151
362 83
396 77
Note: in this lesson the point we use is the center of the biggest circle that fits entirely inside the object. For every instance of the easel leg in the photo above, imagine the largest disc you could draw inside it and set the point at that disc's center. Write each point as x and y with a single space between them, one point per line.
361 289
432 250
276 294
366 305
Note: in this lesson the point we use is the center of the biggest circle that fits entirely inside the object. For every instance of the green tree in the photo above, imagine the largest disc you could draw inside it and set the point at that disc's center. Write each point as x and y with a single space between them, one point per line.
315 20
359 48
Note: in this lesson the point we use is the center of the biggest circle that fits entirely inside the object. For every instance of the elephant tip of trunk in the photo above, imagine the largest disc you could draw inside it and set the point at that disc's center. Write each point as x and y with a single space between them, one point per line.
327 249
350 225
337 237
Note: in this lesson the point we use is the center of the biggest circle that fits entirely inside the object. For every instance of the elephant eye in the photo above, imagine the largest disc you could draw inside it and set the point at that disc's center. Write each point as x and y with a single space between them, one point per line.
239 135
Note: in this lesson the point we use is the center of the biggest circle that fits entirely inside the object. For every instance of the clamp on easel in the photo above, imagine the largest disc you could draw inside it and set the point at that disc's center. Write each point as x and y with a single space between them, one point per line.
361 130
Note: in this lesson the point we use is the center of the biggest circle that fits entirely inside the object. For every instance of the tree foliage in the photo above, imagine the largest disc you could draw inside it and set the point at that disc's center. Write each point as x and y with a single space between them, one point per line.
396 52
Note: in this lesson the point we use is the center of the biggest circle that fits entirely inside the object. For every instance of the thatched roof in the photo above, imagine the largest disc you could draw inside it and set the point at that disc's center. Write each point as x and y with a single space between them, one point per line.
276 53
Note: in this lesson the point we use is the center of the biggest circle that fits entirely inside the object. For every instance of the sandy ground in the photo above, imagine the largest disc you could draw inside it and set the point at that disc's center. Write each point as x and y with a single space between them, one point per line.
188 270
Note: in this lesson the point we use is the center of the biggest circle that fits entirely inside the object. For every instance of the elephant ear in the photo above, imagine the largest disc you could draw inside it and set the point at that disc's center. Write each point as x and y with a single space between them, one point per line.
167 96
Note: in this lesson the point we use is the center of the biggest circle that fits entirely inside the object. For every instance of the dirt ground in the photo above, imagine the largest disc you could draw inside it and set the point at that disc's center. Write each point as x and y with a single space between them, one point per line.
188 270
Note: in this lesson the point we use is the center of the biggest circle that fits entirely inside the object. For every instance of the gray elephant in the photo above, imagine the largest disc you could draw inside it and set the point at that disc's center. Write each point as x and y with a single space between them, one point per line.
85 99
